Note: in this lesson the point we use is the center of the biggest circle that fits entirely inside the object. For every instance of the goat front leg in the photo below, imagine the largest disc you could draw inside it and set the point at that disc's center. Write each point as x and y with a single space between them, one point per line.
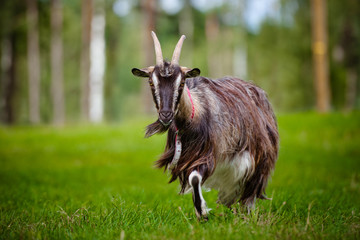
201 209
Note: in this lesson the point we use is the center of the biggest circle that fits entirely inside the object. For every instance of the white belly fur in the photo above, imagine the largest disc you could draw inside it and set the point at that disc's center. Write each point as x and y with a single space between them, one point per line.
228 177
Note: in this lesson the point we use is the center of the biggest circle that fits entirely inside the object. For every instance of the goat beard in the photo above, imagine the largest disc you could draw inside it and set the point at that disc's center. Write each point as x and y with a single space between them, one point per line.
155 127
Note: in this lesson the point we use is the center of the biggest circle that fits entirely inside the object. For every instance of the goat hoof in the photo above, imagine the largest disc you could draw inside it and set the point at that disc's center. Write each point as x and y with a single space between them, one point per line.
202 218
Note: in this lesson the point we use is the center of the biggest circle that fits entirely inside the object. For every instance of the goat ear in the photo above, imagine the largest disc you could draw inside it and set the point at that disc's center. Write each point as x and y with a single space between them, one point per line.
145 72
190 73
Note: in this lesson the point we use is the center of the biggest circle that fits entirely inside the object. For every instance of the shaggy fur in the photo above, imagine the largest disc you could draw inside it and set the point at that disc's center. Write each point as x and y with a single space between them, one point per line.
227 128
231 117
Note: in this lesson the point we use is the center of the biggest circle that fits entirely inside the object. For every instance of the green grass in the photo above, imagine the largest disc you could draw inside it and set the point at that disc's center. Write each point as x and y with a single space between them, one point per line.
99 183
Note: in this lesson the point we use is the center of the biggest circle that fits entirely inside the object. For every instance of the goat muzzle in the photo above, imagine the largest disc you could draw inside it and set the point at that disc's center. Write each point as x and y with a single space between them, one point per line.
166 117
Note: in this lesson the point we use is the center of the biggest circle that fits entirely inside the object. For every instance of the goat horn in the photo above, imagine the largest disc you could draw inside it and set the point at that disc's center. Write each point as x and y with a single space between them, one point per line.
158 53
177 51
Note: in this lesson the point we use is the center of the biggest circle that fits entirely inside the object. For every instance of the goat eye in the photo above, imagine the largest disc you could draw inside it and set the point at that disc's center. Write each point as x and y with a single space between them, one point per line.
151 83
182 84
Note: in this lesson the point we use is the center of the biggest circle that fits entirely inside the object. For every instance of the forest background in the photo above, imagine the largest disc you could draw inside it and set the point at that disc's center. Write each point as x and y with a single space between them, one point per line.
70 61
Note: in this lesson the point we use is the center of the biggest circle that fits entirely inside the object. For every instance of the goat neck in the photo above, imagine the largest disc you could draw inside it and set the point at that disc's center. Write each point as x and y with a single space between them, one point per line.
187 108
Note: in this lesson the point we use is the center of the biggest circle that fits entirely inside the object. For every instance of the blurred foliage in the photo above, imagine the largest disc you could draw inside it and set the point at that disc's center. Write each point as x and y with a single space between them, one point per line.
279 57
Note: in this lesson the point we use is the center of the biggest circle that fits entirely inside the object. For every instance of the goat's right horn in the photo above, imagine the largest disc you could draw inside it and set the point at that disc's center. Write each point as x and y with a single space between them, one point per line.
177 51
158 53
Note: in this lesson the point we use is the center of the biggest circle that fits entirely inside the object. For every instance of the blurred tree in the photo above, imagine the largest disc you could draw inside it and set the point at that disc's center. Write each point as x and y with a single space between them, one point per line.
236 18
57 86
279 57
112 86
33 61
9 34
320 56
97 62
149 13
186 27
349 43
344 42
86 14
8 80
212 30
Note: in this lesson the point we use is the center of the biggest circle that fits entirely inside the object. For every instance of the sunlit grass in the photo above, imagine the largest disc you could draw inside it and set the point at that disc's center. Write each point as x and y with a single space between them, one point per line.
99 182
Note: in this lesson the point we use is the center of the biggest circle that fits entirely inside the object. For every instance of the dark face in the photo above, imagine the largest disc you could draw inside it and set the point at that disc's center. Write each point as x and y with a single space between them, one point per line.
167 84
167 90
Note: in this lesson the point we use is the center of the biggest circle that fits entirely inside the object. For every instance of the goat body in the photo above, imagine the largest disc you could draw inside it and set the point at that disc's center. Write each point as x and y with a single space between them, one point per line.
232 141
229 137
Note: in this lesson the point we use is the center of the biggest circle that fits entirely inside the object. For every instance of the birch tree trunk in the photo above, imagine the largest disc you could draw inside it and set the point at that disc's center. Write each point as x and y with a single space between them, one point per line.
33 61
240 49
186 27
240 62
86 15
57 87
97 63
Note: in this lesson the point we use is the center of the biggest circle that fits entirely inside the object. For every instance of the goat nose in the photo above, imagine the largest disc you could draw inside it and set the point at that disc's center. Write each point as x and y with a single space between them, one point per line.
165 114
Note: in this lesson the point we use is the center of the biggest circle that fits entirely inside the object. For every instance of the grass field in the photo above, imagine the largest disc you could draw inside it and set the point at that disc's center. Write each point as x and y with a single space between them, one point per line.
98 182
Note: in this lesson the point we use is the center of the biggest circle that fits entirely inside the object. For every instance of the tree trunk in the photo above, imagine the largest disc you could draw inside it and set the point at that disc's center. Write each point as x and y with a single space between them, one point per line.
33 61
240 55
149 19
57 87
351 79
226 52
351 60
186 27
97 63
320 56
8 80
212 30
240 62
86 15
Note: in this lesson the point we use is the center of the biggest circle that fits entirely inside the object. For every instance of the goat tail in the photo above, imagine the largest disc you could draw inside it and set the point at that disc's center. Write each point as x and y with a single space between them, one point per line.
256 184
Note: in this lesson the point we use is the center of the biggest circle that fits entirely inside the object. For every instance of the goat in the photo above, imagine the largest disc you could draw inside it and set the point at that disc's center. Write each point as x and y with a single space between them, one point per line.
222 134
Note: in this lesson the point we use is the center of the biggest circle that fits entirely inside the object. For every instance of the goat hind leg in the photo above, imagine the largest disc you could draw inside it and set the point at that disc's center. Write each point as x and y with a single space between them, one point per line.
201 209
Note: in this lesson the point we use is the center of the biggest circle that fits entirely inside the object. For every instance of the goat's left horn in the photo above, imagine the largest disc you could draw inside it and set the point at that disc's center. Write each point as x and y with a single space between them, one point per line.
177 51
